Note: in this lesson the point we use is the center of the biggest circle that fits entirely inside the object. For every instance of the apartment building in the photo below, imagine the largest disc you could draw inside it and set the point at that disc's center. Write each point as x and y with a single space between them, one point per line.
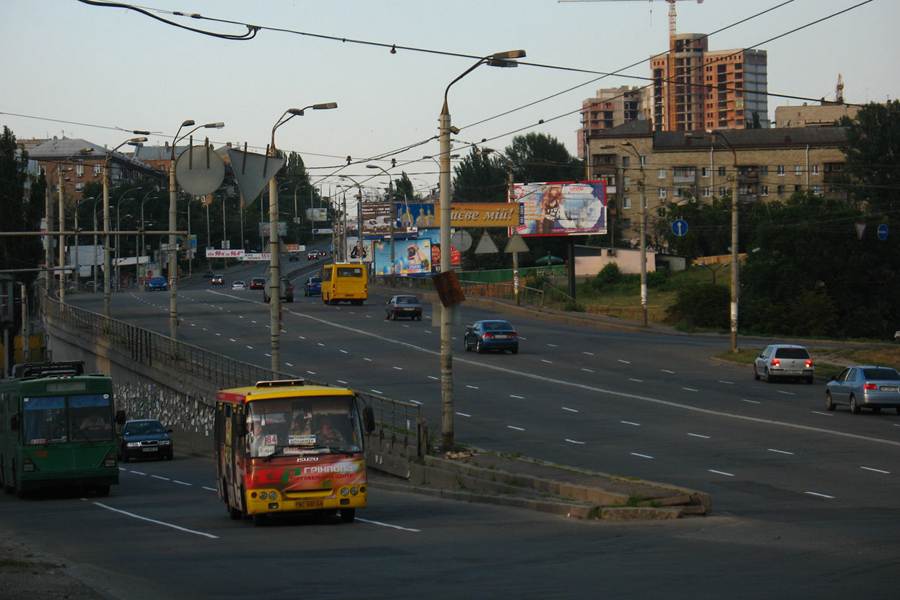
696 89
70 160
611 108
771 164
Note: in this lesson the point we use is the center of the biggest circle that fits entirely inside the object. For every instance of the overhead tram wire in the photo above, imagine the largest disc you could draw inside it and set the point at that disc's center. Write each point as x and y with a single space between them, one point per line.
253 29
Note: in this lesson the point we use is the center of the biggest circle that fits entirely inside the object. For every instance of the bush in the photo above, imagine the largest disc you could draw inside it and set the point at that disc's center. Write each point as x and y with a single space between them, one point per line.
702 305
608 275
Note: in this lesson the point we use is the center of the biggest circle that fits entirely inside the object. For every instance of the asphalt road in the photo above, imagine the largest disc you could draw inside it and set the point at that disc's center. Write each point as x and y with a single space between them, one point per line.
805 502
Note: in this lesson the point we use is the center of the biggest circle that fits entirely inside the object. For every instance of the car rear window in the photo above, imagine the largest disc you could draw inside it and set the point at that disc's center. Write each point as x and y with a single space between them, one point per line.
881 373
791 353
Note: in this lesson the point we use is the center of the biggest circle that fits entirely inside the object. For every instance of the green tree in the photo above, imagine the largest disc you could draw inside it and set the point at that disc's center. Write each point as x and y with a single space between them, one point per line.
20 212
480 178
537 157
873 156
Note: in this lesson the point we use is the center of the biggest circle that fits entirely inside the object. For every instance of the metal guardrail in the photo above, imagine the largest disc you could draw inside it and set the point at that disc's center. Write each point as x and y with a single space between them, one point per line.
400 421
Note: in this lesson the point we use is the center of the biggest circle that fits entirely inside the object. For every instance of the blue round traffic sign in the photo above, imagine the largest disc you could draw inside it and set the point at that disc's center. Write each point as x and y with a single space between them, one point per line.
679 227
882 231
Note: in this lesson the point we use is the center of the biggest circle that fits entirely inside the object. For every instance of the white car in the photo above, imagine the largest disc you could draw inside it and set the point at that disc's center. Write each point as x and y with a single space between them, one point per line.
786 361
239 285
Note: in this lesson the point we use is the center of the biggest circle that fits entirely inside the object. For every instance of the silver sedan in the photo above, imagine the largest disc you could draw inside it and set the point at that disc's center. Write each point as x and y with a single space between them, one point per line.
864 387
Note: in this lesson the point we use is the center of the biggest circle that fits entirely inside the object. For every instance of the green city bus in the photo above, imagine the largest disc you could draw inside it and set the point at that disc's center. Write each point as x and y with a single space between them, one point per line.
56 429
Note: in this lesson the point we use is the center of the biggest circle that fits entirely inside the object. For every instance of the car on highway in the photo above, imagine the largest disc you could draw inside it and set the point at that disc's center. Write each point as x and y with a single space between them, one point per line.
217 280
239 285
293 257
784 361
403 306
257 283
145 438
208 273
157 283
286 288
491 335
312 255
864 387
313 287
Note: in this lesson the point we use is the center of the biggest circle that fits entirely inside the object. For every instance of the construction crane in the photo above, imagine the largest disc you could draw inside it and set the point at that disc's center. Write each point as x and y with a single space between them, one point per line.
839 90
672 15
670 62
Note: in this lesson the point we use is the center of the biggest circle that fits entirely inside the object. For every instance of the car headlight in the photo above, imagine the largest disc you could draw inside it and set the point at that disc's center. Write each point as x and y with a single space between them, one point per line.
345 492
133 444
165 442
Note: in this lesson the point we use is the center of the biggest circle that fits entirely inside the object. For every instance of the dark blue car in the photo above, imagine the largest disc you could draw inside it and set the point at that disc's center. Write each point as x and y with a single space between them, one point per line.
313 287
145 438
157 283
492 335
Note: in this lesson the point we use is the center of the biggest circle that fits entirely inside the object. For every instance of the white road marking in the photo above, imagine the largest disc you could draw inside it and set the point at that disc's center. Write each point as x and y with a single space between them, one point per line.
639 455
705 437
432 377
211 489
380 524
549 362
820 495
516 428
289 364
517 397
786 393
472 387
750 401
367 359
588 370
876 470
780 451
182 483
342 382
570 409
311 372
464 414
416 402
149 520
160 477
398 368
667 371
344 352
630 423
824 414
575 442
635 380
625 361
690 389
721 473
552 345
588 353
376 391
726 382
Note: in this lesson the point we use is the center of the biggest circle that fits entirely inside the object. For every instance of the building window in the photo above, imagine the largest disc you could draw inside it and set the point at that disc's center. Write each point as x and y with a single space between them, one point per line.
661 173
780 191
704 171
798 169
79 170
626 183
798 188
626 161
815 190
97 170
721 171
79 186
780 170
814 169
705 192
626 203
721 192
626 223
643 161
763 190
662 194
764 171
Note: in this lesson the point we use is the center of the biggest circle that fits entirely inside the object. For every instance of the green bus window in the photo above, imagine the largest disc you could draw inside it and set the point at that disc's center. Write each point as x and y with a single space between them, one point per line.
45 420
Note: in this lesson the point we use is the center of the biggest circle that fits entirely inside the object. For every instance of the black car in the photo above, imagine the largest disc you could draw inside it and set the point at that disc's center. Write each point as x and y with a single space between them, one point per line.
217 280
208 273
403 306
145 438
257 283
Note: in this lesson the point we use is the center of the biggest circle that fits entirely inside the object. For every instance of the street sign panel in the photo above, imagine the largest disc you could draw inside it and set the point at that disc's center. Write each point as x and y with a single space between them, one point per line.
882 231
679 227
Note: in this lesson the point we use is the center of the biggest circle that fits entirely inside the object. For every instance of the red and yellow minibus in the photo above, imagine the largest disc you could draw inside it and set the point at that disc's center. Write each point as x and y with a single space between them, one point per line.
285 446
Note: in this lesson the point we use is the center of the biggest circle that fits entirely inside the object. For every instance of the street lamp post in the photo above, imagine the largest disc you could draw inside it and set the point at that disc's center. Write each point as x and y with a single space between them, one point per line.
359 250
643 214
511 187
392 211
500 59
118 236
173 224
62 218
735 262
77 265
274 266
143 235
94 271
106 258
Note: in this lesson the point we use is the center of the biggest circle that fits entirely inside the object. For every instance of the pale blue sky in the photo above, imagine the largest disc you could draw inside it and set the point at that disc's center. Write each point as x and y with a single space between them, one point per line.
101 68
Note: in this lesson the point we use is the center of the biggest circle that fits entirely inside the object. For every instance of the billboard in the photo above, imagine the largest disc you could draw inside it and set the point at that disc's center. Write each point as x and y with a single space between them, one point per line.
561 208
413 256
317 214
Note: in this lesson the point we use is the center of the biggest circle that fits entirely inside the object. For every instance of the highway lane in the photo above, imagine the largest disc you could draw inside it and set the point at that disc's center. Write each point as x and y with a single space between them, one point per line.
637 404
163 534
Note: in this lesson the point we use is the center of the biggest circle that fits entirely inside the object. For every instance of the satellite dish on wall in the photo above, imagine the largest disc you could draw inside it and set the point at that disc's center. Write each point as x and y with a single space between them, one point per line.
199 170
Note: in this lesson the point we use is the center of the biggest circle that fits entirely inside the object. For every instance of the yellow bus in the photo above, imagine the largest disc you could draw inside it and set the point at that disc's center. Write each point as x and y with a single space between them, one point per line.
345 281
285 446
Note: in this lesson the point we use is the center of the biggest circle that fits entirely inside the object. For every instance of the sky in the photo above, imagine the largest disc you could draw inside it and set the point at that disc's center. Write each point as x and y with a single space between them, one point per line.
82 71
